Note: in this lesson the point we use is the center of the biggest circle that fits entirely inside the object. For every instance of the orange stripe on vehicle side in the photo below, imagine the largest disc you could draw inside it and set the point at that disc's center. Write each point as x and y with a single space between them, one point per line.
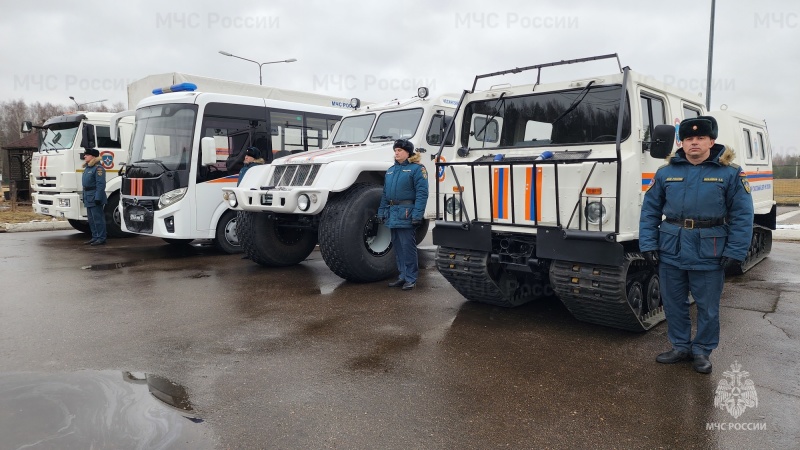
500 193
533 198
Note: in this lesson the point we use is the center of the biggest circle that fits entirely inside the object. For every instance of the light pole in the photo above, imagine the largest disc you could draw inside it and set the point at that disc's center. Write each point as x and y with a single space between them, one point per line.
78 105
259 64
710 56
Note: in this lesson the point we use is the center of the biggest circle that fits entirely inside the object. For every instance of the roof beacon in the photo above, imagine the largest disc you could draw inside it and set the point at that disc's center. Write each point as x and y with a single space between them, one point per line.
175 88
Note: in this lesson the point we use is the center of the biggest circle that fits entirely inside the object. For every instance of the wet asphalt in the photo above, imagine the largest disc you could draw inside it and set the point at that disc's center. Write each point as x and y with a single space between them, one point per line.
297 358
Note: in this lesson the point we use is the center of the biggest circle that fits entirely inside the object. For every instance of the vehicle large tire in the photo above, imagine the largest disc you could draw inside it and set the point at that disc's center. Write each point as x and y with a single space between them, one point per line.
268 244
80 225
226 240
351 243
113 219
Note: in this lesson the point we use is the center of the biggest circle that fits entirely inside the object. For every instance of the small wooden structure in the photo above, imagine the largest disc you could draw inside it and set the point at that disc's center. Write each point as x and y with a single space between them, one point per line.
19 155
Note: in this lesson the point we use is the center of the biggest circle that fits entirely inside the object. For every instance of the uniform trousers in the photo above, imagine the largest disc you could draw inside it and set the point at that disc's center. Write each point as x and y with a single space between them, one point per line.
706 289
97 222
405 248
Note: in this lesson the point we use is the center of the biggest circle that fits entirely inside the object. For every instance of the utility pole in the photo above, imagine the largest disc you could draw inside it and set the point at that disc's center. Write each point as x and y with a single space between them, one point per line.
710 57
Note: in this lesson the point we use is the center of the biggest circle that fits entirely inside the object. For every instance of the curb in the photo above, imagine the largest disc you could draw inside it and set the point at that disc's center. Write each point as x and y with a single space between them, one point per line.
35 226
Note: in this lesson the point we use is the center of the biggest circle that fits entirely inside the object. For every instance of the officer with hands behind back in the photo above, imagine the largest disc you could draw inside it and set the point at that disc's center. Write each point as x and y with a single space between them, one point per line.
697 216
94 195
402 209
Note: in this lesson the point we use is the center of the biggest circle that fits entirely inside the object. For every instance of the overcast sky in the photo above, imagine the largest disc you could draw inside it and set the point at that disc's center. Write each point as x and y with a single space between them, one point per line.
379 50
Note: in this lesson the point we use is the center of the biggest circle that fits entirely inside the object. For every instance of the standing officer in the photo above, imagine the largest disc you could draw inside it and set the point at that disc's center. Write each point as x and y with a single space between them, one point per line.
402 208
709 223
94 195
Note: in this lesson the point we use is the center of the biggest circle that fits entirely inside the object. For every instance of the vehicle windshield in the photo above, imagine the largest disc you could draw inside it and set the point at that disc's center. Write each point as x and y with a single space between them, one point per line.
393 125
579 116
354 129
164 134
59 136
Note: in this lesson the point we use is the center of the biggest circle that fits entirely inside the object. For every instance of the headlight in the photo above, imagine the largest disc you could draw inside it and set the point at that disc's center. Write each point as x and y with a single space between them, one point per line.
453 206
171 197
595 213
303 202
232 200
63 202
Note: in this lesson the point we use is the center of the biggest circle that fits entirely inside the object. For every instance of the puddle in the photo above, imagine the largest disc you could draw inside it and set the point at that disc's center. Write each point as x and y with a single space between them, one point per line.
98 409
113 266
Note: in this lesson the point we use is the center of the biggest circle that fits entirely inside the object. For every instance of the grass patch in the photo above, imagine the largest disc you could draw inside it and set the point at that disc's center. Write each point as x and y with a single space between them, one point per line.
24 213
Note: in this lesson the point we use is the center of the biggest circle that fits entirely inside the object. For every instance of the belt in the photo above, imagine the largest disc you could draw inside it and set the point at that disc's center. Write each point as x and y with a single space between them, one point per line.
692 223
401 202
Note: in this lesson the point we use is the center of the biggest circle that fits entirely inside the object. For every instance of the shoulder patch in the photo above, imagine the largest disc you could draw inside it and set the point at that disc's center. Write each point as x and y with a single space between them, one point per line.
745 184
101 172
424 172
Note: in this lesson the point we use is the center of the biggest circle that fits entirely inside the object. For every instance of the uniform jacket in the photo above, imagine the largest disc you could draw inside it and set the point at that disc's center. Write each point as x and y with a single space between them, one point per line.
406 183
94 183
712 190
246 167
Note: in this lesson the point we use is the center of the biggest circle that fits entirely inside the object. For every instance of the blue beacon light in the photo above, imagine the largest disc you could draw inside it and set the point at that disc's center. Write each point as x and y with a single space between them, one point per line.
176 88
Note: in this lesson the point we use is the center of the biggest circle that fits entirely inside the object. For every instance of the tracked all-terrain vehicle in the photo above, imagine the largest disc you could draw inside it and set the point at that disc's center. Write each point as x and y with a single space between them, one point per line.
545 190
330 196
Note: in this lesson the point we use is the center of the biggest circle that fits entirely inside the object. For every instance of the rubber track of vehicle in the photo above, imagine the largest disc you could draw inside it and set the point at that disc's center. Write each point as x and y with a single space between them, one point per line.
467 271
329 231
597 294
245 230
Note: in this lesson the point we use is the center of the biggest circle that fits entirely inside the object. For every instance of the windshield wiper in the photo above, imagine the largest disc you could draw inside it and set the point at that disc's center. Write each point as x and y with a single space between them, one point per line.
384 136
342 142
581 96
488 121
166 169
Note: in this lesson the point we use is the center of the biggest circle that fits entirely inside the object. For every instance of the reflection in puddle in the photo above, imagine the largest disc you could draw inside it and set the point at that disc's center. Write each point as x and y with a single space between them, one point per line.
97 409
113 266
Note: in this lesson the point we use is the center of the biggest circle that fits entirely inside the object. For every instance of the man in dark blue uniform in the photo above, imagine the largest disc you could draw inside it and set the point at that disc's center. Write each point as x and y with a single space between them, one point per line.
94 195
252 157
402 208
696 217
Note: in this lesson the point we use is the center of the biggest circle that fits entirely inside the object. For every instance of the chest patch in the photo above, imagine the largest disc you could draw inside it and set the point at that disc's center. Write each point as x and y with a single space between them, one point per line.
673 179
712 180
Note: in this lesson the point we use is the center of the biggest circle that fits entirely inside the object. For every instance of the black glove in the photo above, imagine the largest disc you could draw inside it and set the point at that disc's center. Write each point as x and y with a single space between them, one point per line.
380 219
724 261
651 257
98 203
416 222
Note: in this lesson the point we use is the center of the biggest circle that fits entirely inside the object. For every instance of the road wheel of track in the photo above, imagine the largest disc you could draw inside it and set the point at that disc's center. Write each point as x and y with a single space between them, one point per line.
80 225
226 240
652 294
349 241
113 219
271 245
635 296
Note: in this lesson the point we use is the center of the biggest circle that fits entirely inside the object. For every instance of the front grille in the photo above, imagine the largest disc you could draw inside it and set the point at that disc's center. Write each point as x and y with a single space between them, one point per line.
45 202
142 208
294 175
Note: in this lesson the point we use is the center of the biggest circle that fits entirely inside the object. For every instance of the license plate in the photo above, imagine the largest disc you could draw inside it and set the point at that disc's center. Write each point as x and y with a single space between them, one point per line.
45 210
136 217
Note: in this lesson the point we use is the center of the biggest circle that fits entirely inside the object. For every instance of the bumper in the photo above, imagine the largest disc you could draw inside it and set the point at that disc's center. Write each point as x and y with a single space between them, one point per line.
278 200
62 206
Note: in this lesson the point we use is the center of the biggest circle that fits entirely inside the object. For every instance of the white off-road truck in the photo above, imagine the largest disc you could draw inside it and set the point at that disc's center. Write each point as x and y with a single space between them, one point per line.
57 166
330 196
545 191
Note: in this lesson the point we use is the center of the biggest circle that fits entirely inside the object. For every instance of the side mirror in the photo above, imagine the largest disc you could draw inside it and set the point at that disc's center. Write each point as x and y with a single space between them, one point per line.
208 151
87 136
663 140
26 127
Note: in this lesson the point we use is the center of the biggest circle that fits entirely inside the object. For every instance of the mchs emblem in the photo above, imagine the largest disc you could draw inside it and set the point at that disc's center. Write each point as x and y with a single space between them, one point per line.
735 392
